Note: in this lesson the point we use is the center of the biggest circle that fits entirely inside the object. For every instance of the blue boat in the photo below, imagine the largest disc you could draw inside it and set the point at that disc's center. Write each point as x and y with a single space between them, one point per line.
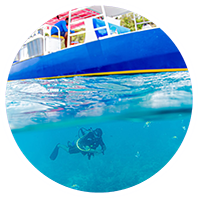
108 49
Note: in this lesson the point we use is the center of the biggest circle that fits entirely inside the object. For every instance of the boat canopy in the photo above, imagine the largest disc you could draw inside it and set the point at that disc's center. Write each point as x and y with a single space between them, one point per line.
79 14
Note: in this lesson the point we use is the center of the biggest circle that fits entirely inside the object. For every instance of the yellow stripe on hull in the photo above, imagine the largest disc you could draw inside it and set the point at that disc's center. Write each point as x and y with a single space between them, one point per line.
114 73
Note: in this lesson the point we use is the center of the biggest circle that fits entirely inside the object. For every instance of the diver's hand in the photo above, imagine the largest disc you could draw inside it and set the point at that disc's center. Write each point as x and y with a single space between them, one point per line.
95 151
100 151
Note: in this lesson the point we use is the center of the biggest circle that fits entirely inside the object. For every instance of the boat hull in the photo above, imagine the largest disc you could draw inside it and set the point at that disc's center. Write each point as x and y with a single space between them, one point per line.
136 52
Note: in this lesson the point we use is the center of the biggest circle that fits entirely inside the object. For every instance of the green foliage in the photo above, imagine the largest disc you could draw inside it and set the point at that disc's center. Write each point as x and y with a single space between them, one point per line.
77 38
62 43
80 37
127 20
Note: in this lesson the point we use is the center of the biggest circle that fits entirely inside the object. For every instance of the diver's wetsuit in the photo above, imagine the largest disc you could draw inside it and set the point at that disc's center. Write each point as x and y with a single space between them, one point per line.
89 140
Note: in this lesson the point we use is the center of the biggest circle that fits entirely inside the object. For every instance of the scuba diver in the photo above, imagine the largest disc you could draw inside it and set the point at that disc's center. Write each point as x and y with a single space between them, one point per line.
87 144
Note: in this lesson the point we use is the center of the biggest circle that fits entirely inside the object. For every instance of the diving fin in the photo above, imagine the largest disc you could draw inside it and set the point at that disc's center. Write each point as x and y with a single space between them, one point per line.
54 153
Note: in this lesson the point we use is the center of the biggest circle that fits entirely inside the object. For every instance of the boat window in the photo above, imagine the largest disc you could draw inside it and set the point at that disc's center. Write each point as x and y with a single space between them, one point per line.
114 29
35 47
78 39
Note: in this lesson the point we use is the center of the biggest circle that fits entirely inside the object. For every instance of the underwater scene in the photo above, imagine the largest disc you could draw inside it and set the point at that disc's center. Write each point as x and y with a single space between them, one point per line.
139 122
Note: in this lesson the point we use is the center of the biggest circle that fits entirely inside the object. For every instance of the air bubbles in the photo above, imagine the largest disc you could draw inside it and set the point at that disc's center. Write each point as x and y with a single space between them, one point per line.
137 155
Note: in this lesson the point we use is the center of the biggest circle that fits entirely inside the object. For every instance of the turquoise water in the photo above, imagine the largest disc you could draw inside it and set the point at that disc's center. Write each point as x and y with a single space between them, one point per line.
144 119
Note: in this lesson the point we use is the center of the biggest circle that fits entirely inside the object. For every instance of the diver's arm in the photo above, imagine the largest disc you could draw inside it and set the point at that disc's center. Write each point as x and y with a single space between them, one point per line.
103 146
95 151
103 149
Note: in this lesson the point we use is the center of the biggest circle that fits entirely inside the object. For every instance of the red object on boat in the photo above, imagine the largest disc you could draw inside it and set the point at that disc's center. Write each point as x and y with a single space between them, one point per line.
76 16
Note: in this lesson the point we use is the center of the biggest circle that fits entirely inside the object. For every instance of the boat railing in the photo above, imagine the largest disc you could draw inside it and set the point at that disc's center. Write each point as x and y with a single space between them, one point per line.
103 15
145 23
49 43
